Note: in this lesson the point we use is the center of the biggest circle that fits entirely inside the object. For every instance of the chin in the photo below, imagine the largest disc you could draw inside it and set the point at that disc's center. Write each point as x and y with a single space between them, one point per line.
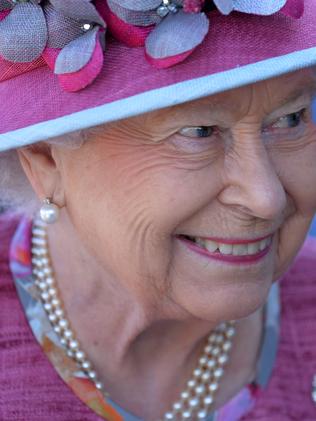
230 301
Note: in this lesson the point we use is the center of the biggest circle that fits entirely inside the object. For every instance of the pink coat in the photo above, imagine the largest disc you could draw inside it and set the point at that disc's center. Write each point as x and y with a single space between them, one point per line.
31 390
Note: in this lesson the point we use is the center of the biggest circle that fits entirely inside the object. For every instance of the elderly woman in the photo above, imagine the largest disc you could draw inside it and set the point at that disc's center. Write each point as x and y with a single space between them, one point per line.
174 190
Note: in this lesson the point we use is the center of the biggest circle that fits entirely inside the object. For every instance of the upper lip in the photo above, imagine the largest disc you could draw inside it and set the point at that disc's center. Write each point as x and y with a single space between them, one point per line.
233 240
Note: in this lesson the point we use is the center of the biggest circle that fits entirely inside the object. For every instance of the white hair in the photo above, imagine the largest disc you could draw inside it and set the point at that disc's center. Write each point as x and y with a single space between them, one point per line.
16 193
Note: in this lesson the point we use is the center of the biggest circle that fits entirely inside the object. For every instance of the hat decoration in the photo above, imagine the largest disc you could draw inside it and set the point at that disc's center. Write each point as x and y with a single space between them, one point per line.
69 35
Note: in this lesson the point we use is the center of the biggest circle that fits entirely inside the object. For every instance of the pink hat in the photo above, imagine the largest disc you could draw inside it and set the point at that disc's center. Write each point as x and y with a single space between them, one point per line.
70 65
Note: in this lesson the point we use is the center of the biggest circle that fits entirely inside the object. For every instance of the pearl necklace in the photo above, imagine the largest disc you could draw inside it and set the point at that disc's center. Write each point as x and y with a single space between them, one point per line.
194 401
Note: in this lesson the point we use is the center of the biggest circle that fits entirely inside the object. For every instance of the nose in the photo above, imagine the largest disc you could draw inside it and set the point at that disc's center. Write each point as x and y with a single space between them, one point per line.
252 182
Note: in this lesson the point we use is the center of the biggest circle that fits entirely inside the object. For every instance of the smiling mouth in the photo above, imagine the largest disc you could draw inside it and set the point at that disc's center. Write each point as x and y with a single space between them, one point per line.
229 250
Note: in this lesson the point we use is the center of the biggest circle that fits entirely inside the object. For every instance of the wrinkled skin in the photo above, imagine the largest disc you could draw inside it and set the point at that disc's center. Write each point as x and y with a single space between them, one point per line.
138 183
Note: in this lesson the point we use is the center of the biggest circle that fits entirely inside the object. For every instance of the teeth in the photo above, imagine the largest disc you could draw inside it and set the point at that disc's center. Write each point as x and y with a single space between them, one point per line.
210 245
240 249
226 248
234 249
253 248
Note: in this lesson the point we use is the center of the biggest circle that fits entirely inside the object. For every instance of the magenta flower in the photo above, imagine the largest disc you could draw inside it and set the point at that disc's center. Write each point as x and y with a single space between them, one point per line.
69 35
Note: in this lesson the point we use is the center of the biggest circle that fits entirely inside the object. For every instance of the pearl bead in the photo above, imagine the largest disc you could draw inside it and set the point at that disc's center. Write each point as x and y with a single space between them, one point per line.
197 372
45 296
86 365
99 385
187 415
200 389
222 359
216 351
63 341
208 349
202 414
185 395
212 387
191 383
70 353
206 376
52 317
203 361
230 332
218 372
92 374
49 281
42 285
52 292
208 400
169 416
38 241
227 346
49 213
212 337
63 323
80 355
59 312
55 302
193 402
47 306
211 363
68 334
73 344
57 329
177 406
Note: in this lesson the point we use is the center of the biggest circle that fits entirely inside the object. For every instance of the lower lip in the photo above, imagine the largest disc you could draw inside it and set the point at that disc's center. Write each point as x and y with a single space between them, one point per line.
248 259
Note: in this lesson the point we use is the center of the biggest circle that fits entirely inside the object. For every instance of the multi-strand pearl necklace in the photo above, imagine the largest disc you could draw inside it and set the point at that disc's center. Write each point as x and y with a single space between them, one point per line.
194 402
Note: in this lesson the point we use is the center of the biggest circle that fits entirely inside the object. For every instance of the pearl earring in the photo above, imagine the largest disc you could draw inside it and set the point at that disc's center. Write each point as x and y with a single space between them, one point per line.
49 212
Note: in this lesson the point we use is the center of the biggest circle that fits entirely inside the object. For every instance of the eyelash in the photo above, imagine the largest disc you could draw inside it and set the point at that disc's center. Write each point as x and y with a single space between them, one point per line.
207 131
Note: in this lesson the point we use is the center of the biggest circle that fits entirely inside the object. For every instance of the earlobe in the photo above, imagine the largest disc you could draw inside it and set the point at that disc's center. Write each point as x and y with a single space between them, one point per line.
41 170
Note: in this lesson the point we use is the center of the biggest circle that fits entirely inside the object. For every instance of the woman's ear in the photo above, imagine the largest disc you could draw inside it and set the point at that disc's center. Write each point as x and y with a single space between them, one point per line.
40 166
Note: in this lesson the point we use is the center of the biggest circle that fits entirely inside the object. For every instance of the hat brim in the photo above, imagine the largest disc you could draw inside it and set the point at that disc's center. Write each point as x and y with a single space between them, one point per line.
239 50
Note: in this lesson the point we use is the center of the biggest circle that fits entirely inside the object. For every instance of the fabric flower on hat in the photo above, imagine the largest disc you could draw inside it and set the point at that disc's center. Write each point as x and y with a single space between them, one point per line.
294 8
76 40
170 29
68 35
23 31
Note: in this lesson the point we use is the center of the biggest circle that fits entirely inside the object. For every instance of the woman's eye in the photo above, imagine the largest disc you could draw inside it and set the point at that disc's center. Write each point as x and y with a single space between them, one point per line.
198 131
289 121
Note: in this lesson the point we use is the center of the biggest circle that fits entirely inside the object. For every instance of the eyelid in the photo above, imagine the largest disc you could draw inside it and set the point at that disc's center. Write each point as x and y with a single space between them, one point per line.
191 131
276 120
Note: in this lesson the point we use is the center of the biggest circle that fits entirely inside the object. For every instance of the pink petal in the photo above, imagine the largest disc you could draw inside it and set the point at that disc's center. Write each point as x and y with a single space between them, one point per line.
294 8
4 14
73 82
163 63
132 36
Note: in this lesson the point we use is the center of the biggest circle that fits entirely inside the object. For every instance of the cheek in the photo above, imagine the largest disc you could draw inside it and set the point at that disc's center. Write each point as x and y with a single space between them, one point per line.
299 180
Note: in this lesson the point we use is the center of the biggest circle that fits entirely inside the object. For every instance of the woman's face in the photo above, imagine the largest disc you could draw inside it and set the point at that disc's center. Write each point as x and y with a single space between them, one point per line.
235 168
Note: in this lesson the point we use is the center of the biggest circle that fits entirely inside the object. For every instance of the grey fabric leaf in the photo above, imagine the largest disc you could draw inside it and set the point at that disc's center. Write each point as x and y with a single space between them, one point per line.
23 33
176 34
5 5
134 17
256 7
77 54
139 5
61 29
81 10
